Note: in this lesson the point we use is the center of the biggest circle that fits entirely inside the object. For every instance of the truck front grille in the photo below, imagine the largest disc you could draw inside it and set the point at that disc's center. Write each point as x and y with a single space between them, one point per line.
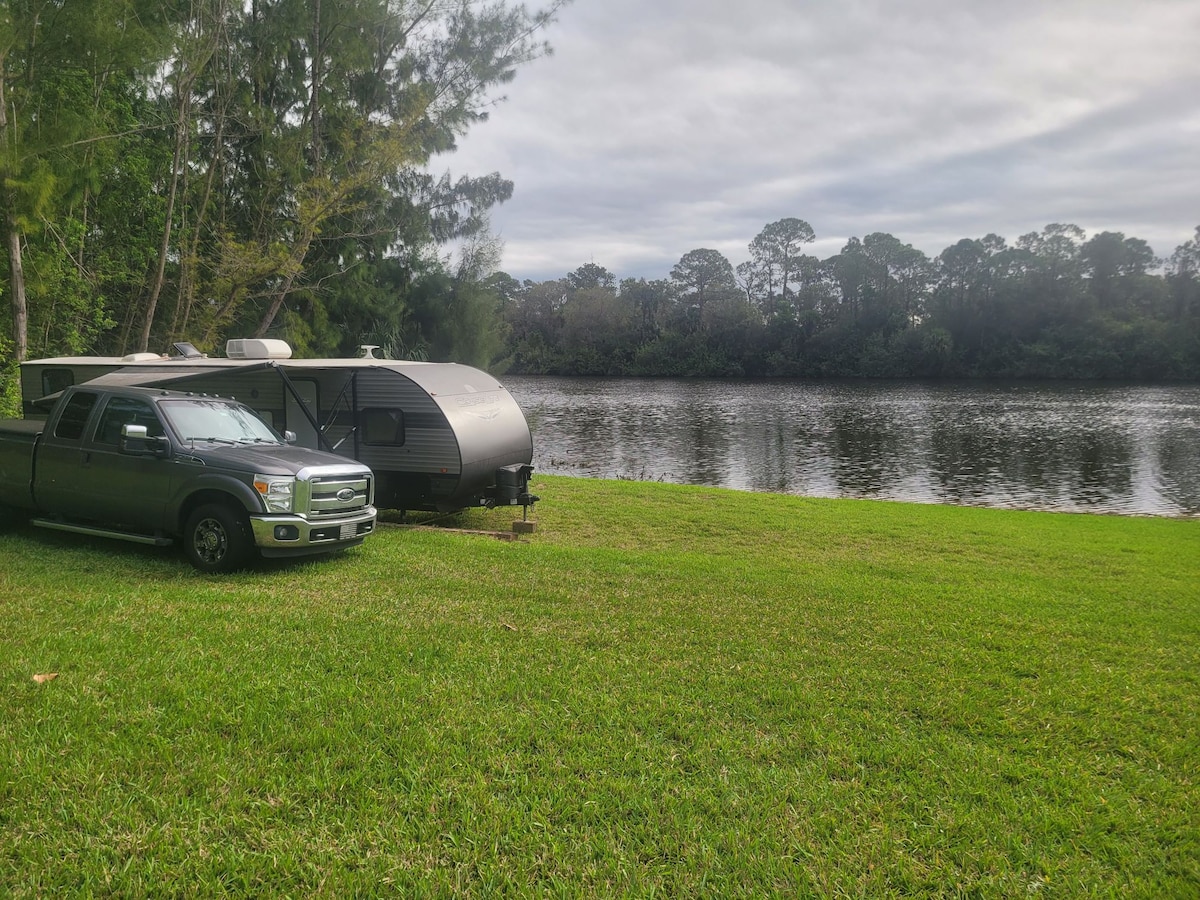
331 496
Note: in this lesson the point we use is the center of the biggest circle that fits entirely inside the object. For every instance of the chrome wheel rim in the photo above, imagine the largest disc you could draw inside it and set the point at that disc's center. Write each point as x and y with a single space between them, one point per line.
210 541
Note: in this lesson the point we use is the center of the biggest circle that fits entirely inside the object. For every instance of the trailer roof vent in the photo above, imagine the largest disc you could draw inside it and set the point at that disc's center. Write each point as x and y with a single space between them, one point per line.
140 357
257 348
184 350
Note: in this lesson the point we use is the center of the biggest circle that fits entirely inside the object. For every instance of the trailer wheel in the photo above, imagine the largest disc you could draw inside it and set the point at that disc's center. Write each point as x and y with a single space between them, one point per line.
217 539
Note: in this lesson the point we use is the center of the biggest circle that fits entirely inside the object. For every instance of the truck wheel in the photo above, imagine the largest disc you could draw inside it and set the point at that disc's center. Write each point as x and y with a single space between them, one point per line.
217 539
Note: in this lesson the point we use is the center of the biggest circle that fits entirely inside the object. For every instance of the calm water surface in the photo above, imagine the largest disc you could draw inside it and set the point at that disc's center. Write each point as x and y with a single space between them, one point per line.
1113 449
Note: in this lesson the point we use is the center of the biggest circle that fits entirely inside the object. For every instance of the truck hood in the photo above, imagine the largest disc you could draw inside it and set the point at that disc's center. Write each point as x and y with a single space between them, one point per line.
266 459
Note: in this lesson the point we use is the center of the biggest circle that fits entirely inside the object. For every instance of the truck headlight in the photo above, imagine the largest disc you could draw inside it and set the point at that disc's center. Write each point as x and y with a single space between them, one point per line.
276 492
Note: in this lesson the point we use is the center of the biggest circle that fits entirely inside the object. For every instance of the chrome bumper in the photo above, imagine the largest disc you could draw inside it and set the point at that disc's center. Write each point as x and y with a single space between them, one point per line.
294 535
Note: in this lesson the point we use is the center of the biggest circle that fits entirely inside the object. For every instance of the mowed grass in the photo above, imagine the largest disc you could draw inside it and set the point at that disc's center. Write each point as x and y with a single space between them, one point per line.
666 691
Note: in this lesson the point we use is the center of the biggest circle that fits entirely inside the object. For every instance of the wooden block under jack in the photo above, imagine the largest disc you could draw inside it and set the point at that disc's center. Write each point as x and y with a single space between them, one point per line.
524 527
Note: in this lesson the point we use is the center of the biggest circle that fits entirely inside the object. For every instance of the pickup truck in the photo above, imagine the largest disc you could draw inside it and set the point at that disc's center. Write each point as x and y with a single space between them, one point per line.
156 466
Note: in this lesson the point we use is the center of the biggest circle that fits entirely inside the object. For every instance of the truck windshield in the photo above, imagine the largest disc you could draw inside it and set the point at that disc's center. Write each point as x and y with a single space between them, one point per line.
217 421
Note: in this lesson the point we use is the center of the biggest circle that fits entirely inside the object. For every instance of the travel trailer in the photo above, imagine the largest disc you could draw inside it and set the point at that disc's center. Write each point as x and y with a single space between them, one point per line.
438 436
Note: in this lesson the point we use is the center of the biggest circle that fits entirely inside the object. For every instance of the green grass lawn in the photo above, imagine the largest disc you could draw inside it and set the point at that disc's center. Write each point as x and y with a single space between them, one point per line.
666 691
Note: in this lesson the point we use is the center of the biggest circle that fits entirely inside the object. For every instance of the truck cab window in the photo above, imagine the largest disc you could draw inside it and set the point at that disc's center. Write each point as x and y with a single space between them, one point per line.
217 420
74 416
122 411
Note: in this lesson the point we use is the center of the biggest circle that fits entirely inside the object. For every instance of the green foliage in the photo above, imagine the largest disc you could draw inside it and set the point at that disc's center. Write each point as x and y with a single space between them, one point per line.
10 384
70 80
30 193
702 275
456 320
208 170
774 276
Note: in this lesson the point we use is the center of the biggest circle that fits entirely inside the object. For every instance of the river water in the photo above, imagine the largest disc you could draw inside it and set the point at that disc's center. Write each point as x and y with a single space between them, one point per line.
1072 447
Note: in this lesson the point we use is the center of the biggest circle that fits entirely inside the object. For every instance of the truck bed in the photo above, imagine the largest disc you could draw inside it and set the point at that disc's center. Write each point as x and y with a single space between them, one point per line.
17 440
21 429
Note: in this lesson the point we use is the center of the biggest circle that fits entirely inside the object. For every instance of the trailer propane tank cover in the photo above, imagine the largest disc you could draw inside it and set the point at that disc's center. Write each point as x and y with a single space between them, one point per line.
512 485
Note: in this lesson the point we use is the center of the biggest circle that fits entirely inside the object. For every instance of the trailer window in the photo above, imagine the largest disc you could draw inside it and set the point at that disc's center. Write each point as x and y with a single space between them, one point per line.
74 416
383 426
271 416
55 380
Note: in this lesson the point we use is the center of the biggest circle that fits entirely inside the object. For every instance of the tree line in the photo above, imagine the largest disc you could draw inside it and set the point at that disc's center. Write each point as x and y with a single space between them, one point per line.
1054 304
196 169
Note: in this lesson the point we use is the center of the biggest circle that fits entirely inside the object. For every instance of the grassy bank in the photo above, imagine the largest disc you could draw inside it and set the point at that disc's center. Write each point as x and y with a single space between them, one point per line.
667 690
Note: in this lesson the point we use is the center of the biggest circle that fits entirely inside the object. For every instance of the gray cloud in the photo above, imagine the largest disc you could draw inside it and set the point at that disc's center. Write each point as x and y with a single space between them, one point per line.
661 126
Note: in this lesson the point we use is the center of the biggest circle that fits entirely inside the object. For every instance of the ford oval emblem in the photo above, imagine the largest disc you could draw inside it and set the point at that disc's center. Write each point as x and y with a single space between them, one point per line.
345 495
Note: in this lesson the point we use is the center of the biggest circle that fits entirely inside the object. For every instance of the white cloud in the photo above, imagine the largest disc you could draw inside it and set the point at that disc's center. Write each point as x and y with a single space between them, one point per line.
661 126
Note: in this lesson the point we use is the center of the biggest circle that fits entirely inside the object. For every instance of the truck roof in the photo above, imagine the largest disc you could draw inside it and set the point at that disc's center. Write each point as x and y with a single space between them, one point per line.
126 383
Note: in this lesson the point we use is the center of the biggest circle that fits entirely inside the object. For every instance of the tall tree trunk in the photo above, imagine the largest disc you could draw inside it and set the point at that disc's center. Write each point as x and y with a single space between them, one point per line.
182 127
314 101
16 270
314 114
190 253
276 304
294 267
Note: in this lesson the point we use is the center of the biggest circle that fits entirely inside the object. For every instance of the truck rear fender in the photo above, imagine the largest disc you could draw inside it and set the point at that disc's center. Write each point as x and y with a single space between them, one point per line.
30 497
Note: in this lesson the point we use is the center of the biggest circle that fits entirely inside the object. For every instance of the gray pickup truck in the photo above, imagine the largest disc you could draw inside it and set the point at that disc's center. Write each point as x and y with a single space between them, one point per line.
154 466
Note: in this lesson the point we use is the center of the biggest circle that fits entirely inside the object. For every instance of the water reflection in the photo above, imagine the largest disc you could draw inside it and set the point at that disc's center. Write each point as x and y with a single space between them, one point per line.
1067 447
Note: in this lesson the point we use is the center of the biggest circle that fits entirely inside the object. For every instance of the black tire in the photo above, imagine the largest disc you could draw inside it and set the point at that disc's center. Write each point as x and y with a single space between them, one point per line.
217 539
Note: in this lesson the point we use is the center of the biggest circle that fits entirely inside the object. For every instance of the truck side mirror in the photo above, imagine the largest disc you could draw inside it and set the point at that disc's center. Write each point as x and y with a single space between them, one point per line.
289 437
136 440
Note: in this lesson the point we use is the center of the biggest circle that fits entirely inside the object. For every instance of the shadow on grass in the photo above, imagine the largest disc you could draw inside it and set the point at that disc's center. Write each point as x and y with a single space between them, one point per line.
141 556
457 519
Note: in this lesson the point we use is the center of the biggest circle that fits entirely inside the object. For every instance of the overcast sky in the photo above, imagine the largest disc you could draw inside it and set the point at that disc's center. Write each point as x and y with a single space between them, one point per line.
663 126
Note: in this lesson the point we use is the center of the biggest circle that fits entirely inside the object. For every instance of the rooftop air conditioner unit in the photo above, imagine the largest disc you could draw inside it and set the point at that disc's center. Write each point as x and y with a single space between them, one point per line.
257 348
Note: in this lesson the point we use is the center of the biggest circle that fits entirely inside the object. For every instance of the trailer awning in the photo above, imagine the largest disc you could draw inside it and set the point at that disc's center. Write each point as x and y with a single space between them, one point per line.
138 377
